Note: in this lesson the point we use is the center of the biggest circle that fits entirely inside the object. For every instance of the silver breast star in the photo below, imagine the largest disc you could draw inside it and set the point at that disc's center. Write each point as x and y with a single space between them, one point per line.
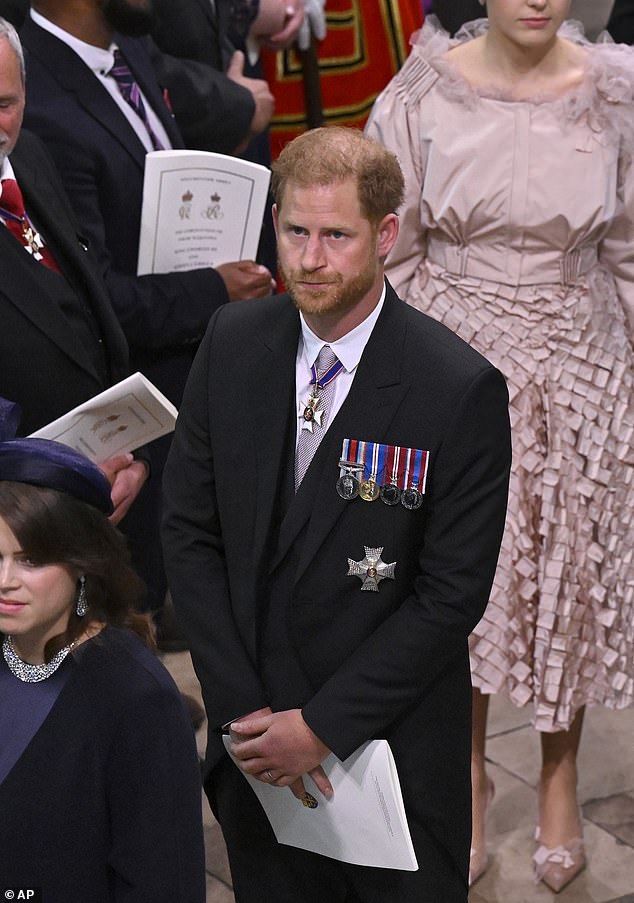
371 570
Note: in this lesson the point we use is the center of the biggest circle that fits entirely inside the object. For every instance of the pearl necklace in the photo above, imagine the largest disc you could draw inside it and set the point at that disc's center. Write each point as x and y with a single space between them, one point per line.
27 673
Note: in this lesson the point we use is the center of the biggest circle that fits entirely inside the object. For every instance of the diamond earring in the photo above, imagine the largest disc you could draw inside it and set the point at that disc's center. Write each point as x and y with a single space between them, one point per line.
82 603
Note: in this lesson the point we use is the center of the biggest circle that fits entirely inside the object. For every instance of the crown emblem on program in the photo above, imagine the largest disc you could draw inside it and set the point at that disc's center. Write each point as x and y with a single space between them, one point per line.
215 197
187 197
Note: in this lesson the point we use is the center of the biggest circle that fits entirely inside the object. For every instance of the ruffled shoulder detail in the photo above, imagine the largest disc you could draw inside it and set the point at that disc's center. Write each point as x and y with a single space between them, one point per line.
606 97
429 46
417 75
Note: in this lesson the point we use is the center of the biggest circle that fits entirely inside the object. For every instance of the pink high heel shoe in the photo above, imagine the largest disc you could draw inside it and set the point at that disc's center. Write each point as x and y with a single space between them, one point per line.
478 857
556 867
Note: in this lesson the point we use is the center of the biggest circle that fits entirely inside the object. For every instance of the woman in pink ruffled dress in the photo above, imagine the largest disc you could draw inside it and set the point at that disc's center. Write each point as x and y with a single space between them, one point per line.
517 140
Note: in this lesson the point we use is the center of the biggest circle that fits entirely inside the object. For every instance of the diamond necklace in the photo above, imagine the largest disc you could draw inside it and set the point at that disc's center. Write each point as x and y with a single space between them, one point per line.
27 673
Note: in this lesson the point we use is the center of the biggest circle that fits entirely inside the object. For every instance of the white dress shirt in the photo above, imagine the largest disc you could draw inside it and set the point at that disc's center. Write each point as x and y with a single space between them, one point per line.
101 61
348 349
6 172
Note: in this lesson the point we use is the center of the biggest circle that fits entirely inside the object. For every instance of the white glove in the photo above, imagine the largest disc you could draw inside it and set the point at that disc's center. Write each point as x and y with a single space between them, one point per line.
315 21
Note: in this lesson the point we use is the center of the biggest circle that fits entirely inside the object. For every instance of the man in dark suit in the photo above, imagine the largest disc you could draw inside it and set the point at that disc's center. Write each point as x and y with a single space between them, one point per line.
198 30
215 111
99 145
406 456
213 36
60 341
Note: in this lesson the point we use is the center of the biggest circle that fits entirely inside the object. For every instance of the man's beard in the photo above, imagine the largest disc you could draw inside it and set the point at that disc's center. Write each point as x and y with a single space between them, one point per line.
338 296
127 19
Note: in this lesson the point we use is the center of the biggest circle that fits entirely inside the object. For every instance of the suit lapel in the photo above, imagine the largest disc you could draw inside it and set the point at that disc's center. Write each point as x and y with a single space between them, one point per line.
371 404
271 381
139 63
24 290
72 74
49 213
209 11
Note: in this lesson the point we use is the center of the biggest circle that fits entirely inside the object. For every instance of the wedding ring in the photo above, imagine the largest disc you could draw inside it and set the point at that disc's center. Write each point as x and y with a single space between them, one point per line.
270 776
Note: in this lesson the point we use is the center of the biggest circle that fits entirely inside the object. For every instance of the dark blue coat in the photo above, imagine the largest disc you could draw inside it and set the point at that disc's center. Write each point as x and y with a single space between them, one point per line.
104 804
101 161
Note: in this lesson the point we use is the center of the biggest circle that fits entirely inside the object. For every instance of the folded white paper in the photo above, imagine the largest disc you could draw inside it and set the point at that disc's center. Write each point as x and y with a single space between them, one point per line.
124 417
364 823
200 209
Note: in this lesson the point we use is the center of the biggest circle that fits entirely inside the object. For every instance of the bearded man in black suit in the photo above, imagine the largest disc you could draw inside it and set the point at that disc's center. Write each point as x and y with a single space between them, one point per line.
351 444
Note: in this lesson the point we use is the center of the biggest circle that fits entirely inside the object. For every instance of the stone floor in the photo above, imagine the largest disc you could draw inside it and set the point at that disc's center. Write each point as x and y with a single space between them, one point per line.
606 792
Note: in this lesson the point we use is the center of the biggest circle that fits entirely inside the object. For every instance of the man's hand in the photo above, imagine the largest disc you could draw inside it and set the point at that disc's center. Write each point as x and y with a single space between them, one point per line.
246 279
262 97
259 713
293 12
280 748
126 477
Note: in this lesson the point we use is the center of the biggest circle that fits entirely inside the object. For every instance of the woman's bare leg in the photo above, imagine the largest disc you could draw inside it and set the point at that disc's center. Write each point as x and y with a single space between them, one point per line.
480 782
558 808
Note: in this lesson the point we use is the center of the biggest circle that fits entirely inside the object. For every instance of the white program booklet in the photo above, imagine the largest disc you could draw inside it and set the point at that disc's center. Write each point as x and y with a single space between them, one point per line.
200 209
364 823
124 417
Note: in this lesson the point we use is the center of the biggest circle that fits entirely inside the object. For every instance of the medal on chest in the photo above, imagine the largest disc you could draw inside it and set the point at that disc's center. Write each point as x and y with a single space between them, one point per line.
25 231
311 412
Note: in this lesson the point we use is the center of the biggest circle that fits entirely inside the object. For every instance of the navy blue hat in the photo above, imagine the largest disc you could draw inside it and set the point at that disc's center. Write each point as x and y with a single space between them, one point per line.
42 462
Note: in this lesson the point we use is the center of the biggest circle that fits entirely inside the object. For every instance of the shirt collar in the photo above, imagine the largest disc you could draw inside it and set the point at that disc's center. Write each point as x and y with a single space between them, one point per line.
96 58
6 170
349 347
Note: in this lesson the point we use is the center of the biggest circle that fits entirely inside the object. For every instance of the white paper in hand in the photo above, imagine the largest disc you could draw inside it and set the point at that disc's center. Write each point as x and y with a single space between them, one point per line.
363 824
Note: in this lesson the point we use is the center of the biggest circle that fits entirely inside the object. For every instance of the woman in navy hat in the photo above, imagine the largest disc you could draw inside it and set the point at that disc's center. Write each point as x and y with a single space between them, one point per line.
99 785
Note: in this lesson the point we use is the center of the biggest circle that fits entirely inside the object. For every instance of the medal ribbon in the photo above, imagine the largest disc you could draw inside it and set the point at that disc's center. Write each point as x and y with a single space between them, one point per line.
383 450
419 471
370 462
20 225
327 377
392 464
403 467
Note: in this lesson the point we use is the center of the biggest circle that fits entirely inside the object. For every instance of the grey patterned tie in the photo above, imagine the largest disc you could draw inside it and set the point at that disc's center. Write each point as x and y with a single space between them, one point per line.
309 440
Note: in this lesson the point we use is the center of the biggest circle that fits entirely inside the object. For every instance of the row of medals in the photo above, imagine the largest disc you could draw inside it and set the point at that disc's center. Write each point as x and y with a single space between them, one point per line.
349 487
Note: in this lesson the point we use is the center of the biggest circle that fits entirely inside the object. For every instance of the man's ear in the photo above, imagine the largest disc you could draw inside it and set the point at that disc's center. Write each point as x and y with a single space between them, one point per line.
387 234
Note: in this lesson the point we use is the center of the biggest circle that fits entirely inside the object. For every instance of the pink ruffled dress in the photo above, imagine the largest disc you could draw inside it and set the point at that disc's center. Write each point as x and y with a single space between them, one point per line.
518 233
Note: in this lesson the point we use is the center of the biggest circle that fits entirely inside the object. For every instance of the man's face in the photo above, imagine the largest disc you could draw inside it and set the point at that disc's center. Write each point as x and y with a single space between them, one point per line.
328 251
11 99
129 17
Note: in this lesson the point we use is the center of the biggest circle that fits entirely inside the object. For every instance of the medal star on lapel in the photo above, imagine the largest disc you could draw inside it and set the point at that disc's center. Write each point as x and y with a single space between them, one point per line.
371 569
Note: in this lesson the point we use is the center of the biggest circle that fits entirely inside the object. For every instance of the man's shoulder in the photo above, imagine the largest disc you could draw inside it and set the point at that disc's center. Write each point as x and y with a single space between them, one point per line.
253 315
29 149
33 165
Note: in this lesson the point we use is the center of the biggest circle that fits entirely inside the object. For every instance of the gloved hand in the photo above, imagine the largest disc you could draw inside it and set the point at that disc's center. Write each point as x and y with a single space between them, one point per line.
315 21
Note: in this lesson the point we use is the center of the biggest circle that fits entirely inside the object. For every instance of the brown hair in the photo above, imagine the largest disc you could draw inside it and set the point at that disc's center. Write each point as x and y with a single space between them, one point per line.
335 154
55 528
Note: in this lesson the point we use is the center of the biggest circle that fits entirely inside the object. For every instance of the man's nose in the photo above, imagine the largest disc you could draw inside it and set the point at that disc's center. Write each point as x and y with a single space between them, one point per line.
313 254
